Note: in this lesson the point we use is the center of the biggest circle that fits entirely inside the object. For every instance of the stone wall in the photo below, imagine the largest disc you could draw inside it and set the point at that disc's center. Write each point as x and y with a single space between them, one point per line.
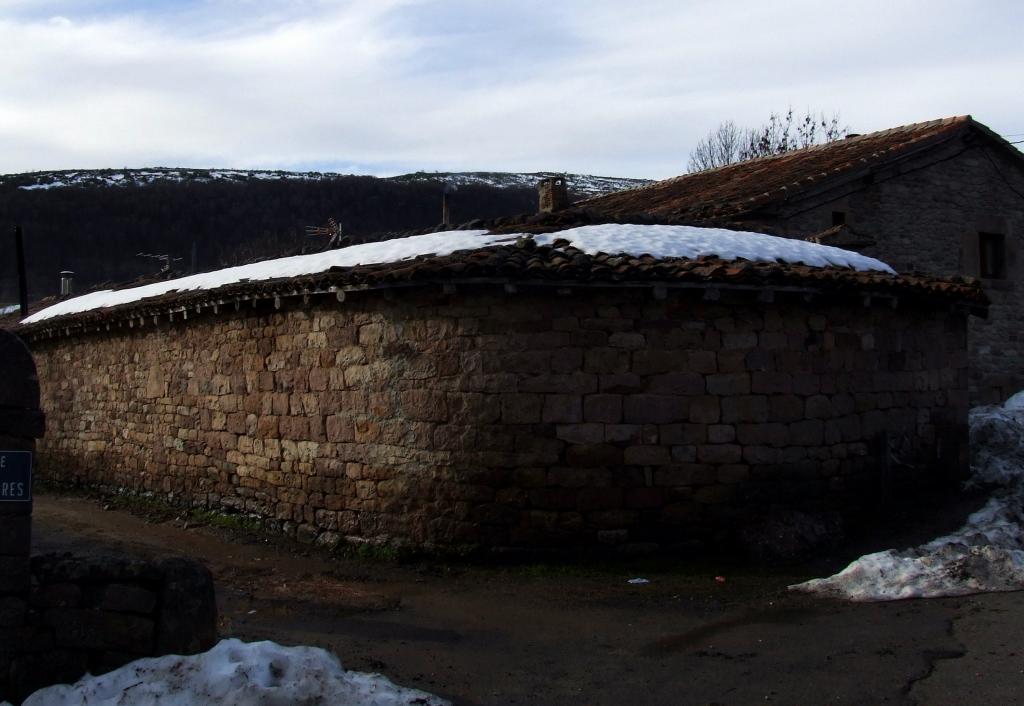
926 215
93 614
531 418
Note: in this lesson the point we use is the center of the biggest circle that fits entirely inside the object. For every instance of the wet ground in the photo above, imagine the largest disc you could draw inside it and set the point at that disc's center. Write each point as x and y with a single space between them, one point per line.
697 633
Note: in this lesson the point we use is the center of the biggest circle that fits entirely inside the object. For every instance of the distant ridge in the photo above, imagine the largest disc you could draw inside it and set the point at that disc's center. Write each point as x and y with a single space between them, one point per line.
96 222
583 185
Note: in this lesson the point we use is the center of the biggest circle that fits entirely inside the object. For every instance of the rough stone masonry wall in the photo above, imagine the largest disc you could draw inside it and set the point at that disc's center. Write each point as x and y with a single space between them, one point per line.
487 418
927 216
94 614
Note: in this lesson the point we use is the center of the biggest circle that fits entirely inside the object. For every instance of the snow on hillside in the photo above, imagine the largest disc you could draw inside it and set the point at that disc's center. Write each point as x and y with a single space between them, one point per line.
986 554
235 673
656 240
581 184
146 177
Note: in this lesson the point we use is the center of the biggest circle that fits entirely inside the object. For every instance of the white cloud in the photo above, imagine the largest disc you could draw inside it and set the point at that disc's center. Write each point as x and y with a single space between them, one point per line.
578 85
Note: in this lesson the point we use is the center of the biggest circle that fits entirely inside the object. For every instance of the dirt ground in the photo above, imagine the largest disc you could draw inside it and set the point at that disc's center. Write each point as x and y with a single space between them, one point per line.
697 633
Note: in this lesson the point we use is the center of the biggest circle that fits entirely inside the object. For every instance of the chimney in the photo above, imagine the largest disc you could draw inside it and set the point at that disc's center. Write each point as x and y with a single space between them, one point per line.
67 283
446 214
554 194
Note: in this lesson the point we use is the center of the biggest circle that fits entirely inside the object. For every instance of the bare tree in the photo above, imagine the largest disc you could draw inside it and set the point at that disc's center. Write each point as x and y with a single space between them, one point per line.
728 143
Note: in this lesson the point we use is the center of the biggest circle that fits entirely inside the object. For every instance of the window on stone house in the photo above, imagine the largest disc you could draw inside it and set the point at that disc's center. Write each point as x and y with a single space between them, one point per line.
992 255
838 218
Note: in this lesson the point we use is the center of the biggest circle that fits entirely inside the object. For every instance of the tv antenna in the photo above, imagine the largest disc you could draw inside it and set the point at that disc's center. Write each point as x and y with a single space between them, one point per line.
332 231
165 260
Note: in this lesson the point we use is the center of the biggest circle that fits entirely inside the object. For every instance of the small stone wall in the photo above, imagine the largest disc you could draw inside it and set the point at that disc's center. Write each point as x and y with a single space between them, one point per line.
96 614
532 418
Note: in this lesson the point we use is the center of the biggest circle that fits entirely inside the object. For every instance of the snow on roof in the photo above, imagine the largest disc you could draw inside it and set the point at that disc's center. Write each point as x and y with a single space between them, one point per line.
659 241
234 673
986 554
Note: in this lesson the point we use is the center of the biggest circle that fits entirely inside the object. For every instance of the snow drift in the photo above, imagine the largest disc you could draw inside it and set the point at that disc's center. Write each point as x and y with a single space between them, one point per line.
986 554
235 673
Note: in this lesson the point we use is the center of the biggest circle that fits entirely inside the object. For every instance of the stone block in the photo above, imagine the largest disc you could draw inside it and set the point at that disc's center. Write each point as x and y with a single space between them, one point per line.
785 408
719 453
621 383
705 409
619 433
553 498
15 533
684 454
612 519
562 409
653 409
682 433
745 408
644 498
57 595
562 383
739 340
646 455
424 405
809 432
715 494
818 407
627 339
14 574
733 473
770 383
127 598
690 474
605 361
13 612
562 477
726 384
703 362
721 433
593 455
602 408
677 383
519 408
580 433
589 499
188 610
89 629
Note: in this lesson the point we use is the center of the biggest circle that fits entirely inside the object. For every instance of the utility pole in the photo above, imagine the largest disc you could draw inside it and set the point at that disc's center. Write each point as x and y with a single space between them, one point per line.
19 247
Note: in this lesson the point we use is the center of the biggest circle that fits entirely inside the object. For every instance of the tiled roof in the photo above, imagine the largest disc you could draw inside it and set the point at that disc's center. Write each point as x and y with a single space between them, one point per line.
526 263
730 192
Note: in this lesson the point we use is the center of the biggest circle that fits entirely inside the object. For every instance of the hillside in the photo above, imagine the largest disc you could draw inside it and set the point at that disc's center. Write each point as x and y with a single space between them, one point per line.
97 222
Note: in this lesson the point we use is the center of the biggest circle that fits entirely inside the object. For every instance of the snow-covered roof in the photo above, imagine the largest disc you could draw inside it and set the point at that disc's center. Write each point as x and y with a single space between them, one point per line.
657 241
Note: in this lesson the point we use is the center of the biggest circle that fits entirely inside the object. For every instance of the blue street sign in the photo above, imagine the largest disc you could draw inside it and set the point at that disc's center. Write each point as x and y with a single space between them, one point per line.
15 476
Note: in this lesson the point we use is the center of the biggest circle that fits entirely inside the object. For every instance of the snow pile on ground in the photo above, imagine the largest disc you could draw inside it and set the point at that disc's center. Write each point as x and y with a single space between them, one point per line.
657 241
986 554
9 309
235 673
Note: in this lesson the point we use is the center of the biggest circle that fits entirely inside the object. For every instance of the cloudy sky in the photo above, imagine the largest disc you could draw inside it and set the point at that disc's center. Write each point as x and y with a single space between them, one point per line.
619 88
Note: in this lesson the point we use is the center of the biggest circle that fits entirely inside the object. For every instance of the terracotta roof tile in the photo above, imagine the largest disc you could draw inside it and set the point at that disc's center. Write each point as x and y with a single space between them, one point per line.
560 264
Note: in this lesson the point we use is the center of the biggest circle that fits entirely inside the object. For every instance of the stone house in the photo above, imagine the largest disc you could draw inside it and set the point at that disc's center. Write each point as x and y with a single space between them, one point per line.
521 393
944 197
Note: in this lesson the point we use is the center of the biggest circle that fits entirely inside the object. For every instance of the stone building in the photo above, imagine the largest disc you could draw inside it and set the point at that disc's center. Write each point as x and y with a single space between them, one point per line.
944 197
525 392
